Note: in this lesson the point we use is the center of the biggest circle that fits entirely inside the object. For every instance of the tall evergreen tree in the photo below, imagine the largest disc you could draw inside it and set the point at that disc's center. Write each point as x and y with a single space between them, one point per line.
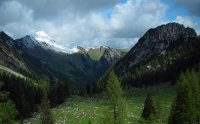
46 115
186 107
114 95
148 107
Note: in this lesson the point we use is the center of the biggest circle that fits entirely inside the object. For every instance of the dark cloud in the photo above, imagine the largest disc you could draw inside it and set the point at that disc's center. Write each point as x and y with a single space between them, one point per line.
13 12
192 5
46 9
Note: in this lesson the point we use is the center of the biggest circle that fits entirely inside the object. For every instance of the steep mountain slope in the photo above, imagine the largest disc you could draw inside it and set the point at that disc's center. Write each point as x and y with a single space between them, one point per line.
154 42
8 56
160 55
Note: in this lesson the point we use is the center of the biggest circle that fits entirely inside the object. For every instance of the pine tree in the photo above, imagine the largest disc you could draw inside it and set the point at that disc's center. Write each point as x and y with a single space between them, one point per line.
186 107
46 115
114 95
148 107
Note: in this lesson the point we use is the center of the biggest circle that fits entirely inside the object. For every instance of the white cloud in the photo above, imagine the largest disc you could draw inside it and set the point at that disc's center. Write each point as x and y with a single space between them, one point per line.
135 17
186 21
126 23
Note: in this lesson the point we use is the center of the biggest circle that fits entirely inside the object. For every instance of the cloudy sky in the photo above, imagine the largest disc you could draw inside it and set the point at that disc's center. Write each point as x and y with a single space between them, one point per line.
115 23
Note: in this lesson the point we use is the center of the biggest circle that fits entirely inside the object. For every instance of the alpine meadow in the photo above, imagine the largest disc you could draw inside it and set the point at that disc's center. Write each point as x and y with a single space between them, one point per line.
99 62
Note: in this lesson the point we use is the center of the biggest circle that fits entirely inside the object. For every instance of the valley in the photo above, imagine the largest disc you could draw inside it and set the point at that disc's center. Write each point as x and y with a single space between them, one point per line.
156 81
79 110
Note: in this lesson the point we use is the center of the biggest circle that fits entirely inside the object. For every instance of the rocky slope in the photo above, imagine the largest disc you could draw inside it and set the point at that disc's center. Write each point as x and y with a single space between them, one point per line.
161 55
153 43
9 56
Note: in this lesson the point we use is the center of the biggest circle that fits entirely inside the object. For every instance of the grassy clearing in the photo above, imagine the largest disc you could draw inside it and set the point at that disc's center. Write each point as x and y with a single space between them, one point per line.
78 110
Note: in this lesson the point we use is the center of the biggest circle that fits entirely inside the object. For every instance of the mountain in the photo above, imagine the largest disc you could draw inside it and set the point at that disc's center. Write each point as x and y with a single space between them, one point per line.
96 53
9 57
41 39
154 42
44 58
160 55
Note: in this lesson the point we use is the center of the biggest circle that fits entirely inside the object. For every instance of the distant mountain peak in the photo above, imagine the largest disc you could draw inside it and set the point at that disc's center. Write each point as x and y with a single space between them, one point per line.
4 35
41 34
40 38
43 37
2 32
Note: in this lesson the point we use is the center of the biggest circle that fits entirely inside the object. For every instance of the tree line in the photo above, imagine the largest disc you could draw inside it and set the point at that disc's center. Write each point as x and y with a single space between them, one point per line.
25 95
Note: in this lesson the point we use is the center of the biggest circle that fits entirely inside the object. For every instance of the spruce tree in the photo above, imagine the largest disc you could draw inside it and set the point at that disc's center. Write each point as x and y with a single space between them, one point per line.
114 95
148 107
186 107
46 115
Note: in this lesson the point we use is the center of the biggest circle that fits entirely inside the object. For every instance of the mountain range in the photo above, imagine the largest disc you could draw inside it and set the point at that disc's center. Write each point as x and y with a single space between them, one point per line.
38 56
160 55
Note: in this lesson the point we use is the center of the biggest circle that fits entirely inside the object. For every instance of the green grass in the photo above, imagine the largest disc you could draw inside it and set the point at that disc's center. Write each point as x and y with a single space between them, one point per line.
78 110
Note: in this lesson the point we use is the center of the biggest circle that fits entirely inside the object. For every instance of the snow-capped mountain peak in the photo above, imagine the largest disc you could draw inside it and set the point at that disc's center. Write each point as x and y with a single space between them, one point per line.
47 42
43 37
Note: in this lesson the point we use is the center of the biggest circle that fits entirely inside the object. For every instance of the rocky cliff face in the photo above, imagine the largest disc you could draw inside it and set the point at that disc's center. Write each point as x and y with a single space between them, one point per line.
8 54
154 42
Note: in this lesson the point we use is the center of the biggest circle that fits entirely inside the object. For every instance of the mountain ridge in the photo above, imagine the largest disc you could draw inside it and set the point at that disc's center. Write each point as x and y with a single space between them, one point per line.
78 67
154 42
150 62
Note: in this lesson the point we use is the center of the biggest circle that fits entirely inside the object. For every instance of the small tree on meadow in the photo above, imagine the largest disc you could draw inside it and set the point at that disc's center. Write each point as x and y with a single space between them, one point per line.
114 95
149 109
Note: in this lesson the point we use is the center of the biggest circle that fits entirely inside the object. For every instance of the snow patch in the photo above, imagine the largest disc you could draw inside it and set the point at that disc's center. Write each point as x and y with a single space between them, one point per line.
75 50
40 38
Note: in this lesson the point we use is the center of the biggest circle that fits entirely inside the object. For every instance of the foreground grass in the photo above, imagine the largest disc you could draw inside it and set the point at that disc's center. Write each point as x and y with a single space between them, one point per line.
78 110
